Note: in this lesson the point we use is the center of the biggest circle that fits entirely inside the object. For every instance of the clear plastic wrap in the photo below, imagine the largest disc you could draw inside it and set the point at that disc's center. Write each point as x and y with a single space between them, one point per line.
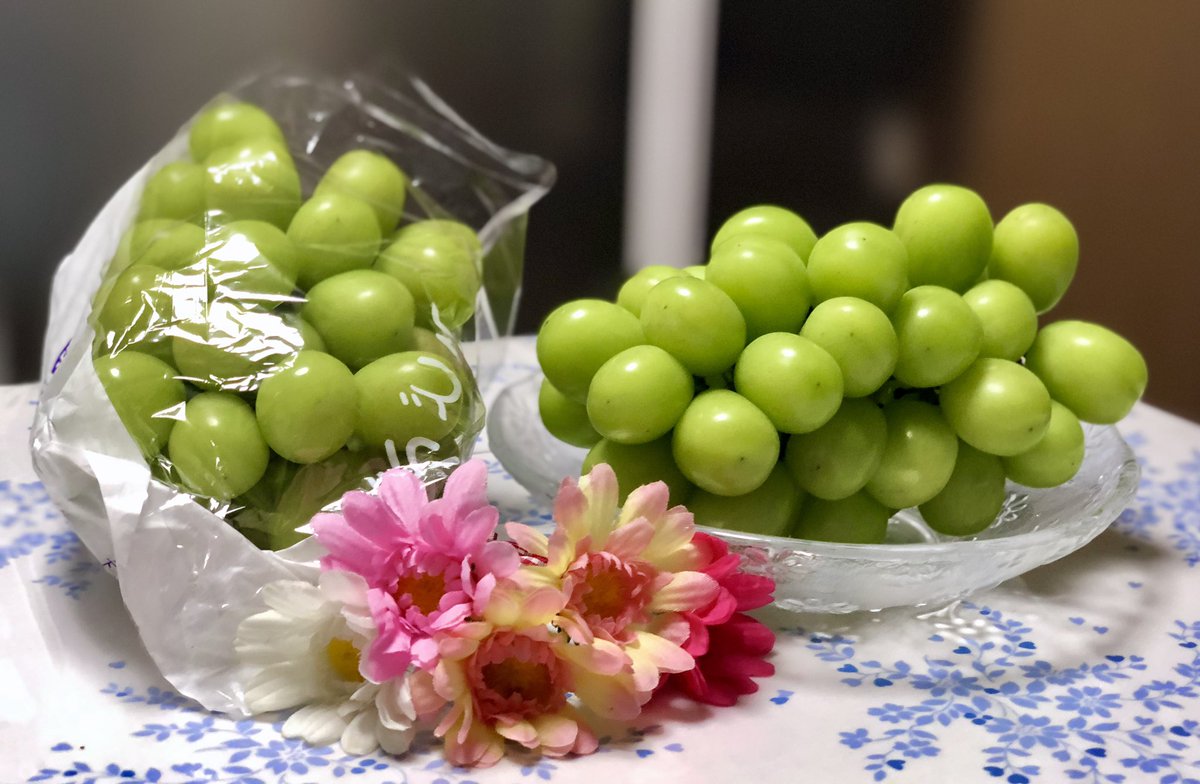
296 294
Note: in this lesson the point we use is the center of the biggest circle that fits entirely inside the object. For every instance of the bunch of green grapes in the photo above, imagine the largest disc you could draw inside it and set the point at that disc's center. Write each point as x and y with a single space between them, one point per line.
266 350
812 387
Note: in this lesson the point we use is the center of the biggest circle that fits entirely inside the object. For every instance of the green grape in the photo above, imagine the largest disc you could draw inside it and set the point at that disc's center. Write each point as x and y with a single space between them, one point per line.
724 444
695 322
136 313
145 394
135 240
971 499
1035 248
254 180
859 260
1054 459
769 510
406 396
310 339
229 124
641 464
362 315
791 379
947 231
997 406
440 266
859 337
307 410
333 233
372 178
765 279
171 249
696 271
638 395
1007 316
837 459
251 262
580 336
1091 370
430 342
176 192
939 336
564 418
633 292
232 348
766 220
856 519
918 455
216 446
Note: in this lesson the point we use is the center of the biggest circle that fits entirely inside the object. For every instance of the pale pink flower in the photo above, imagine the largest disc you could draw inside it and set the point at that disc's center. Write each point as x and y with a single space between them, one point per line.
626 576
410 567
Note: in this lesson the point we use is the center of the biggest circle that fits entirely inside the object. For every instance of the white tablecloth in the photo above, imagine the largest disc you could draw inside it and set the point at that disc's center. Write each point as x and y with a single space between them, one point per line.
1087 669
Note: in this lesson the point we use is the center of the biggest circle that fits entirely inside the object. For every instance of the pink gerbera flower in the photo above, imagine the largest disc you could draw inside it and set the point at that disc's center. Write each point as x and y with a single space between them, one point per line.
727 644
407 568
625 576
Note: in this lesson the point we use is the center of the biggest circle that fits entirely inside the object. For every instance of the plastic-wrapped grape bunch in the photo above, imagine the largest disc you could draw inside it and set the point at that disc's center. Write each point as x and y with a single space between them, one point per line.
286 315
812 386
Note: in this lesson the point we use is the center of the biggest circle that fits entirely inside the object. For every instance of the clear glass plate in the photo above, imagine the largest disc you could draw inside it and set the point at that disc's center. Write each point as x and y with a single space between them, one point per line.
916 567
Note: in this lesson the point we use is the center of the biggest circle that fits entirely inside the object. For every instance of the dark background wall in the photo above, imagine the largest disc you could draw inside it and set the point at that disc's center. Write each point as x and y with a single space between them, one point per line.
835 109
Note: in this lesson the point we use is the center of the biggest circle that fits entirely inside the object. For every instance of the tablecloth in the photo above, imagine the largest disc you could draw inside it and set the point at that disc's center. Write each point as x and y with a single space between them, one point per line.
1087 669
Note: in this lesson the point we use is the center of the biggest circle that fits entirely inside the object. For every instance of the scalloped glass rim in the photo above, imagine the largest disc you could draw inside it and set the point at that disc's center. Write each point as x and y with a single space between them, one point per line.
917 567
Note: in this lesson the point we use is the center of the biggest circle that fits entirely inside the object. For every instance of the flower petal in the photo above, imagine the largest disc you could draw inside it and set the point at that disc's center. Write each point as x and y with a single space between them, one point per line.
555 732
686 591
651 656
467 487
628 541
648 501
498 558
361 735
528 538
600 487
405 497
318 724
606 696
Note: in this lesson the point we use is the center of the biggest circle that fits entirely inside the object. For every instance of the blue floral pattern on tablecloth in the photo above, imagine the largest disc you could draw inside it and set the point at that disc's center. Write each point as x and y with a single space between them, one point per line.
1005 705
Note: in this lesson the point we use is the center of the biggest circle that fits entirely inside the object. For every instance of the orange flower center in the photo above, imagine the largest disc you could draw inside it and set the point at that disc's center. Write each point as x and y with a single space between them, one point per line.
423 590
514 675
605 594
525 680
610 593
343 658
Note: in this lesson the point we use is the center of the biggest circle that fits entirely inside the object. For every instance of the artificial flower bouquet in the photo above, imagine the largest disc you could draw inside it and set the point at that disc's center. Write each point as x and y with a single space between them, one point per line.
293 296
422 614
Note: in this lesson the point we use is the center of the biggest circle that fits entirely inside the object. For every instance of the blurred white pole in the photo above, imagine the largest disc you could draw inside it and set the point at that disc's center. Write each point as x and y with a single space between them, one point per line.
672 63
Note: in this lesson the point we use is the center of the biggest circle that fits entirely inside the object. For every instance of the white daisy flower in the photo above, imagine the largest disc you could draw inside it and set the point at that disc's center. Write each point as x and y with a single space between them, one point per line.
302 652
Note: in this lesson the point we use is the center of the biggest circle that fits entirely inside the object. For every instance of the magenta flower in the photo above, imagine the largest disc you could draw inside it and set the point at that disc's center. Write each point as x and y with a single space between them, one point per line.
407 568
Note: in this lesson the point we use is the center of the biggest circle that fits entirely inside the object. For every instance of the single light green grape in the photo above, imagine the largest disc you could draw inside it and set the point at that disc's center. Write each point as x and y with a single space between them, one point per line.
440 265
769 510
333 233
229 124
695 322
765 279
251 262
406 396
307 409
724 444
580 336
146 395
232 348
791 379
1036 248
310 339
565 419
766 220
997 406
939 336
171 249
1091 370
641 464
1054 459
135 304
362 315
1007 316
971 499
856 519
638 395
918 455
837 459
372 178
696 271
633 292
947 231
176 192
861 260
217 447
254 180
135 240
430 342
859 337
